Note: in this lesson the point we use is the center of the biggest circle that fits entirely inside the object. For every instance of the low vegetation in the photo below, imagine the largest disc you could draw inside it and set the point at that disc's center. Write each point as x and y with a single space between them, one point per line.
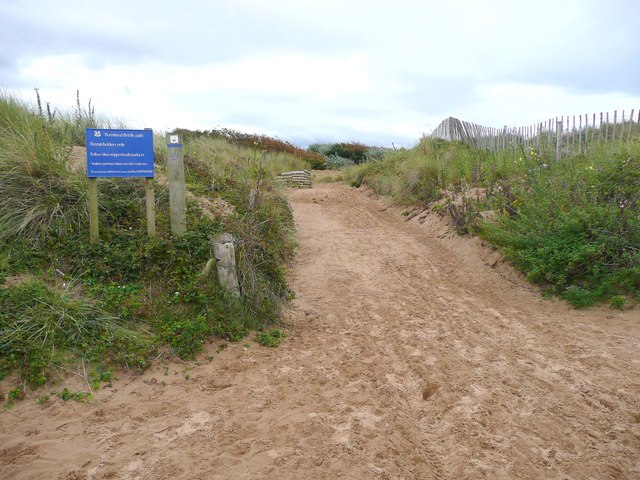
130 298
338 155
572 226
253 141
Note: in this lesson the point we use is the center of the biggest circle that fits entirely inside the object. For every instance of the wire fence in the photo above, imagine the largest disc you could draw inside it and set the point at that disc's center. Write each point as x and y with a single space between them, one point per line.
562 135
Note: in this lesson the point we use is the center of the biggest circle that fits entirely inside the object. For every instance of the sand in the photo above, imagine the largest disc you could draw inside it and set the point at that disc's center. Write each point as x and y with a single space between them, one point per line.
412 354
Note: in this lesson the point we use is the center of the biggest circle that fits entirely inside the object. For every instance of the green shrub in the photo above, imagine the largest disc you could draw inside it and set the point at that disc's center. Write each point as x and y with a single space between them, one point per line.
336 161
186 335
271 338
572 225
41 326
67 395
355 152
338 155
575 226
232 320
618 301
15 394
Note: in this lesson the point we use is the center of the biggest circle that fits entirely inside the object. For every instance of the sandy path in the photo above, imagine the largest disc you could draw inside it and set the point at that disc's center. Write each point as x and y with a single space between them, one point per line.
410 359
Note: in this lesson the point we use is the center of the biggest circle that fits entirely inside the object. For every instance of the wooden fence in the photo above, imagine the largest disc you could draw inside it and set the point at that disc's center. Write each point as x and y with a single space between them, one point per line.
562 135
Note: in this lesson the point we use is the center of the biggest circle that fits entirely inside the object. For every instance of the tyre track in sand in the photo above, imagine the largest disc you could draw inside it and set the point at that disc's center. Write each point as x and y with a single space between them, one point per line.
409 358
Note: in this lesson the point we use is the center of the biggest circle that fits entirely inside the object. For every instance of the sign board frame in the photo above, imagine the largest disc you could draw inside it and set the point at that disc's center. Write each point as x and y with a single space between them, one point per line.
117 153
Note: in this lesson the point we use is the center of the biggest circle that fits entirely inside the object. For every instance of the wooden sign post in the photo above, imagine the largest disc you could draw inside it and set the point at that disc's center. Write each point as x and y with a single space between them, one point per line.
177 204
117 153
94 231
151 207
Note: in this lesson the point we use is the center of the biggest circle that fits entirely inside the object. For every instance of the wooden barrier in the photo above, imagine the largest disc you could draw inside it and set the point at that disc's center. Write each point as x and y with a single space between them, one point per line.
562 135
298 178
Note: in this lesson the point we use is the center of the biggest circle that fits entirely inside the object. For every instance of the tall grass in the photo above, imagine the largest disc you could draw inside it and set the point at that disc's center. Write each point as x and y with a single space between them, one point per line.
132 296
214 161
41 326
265 228
40 196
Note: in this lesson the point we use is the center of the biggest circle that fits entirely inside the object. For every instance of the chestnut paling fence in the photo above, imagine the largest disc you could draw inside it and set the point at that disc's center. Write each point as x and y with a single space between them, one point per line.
560 136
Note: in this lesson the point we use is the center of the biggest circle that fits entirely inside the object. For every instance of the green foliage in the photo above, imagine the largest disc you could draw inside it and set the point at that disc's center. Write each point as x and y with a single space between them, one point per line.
126 299
618 301
15 394
463 213
19 256
339 155
39 197
67 395
270 338
41 326
99 375
422 174
185 335
356 152
233 320
335 161
266 244
377 154
319 148
121 301
573 226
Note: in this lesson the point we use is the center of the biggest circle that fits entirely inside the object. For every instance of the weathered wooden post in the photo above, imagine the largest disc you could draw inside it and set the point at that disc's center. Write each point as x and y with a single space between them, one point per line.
225 255
558 140
175 166
151 207
94 232
150 199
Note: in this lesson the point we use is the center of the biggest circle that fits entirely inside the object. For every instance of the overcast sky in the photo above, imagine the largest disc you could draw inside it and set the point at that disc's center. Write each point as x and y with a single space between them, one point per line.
378 72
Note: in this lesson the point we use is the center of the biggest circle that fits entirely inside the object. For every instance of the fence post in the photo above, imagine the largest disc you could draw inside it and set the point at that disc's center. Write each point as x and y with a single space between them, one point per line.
151 207
150 202
615 121
175 166
225 255
558 140
580 134
94 233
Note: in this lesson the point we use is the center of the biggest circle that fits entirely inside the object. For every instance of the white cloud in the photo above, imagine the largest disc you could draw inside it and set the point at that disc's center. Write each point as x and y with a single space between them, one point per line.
252 83
372 71
530 104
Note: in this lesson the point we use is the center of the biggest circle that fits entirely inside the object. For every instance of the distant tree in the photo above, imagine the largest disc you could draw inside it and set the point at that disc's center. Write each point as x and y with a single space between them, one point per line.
356 152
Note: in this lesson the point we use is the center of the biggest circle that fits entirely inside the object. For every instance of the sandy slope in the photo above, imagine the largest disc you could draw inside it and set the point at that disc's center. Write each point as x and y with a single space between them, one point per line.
410 358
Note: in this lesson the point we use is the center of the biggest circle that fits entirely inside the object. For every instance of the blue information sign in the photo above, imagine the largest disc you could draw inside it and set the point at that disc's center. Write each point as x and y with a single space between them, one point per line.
119 153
